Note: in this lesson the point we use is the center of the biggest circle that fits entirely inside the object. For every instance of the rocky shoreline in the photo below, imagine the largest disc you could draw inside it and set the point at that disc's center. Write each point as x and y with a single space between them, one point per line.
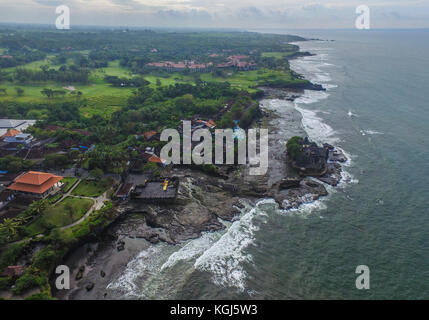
204 204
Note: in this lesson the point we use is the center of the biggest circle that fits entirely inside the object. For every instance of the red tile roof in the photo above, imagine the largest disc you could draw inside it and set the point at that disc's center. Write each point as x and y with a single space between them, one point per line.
35 182
157 64
238 57
11 133
155 159
12 271
149 134
211 124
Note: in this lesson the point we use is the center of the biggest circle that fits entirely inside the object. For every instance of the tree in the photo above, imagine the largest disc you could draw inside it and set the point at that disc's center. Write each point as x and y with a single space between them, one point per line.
10 226
19 92
294 147
226 122
158 83
97 173
56 161
47 92
3 91
37 207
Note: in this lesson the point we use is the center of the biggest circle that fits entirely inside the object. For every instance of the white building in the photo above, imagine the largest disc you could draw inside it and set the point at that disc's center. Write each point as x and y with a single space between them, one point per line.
22 138
20 125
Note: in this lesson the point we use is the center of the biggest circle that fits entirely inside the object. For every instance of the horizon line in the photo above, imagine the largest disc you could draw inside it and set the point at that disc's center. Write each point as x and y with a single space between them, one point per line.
242 29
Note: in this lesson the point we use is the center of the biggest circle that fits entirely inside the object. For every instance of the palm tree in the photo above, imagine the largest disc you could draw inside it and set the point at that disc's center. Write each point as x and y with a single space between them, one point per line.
39 206
10 226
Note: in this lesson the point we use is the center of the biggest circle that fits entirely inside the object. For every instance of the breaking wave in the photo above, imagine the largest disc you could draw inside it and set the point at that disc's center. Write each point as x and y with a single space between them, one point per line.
225 259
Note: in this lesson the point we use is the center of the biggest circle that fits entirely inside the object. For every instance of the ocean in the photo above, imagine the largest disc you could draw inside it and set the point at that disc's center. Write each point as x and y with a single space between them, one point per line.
376 110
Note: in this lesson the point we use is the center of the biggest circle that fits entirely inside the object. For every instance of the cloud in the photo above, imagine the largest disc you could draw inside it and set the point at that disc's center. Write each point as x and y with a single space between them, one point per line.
49 3
314 7
226 13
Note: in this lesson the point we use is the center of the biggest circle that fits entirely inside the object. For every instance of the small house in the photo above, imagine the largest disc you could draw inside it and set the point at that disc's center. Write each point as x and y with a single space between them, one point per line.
37 184
21 138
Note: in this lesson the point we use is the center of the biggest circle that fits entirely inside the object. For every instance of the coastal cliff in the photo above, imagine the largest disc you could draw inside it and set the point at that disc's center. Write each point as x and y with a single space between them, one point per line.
204 203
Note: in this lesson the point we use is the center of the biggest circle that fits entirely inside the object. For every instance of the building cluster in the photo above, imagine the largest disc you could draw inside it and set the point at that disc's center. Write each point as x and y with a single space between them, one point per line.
13 141
238 62
139 182
12 136
19 188
191 65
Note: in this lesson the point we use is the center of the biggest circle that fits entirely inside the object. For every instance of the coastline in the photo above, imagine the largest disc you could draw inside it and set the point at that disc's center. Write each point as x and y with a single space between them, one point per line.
145 227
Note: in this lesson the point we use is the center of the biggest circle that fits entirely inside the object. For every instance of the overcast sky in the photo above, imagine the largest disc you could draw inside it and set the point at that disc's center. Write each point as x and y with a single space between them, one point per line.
244 14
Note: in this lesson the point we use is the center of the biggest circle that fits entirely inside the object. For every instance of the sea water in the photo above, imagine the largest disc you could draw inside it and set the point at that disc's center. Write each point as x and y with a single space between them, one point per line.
375 109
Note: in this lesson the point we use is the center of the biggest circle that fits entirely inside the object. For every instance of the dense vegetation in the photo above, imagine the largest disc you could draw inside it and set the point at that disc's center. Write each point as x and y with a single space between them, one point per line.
93 89
294 147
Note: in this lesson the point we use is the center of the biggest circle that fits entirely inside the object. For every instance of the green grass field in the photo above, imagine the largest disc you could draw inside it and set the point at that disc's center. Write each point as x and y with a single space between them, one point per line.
64 213
35 65
103 99
247 80
277 55
172 79
68 183
89 188
114 69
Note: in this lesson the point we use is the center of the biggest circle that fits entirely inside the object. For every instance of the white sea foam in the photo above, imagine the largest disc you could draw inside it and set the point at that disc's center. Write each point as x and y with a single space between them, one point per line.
313 68
316 129
192 250
346 179
370 132
224 254
225 259
144 265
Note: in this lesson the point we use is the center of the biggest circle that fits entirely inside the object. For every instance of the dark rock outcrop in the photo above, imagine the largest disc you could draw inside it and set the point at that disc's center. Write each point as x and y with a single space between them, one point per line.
289 183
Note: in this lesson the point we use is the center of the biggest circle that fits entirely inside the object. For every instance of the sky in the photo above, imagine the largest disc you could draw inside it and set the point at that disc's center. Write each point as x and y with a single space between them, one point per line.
242 14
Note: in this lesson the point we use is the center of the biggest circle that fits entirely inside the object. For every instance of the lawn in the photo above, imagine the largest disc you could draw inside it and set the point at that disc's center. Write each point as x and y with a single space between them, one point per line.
101 98
90 188
35 65
172 79
113 69
277 55
248 80
64 213
68 183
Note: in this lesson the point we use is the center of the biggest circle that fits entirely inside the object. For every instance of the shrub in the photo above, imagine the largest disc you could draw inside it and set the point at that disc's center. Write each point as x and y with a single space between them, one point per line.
28 281
294 147
12 253
40 296
5 283
46 258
